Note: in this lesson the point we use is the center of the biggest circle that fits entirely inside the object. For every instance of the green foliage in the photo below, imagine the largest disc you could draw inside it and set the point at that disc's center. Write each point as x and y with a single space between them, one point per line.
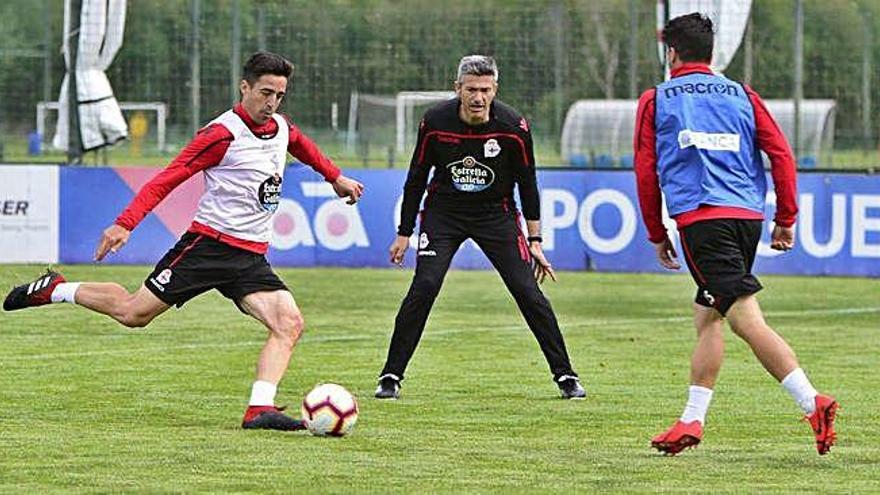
551 53
88 406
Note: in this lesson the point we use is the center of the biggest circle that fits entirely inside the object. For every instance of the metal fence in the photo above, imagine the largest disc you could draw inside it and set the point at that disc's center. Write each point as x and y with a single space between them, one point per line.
187 54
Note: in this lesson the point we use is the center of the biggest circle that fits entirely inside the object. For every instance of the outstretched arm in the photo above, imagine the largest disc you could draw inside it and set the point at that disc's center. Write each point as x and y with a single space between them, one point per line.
204 151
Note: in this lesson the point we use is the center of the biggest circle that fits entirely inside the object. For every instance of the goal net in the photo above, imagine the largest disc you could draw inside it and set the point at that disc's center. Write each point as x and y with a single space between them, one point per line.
146 122
384 127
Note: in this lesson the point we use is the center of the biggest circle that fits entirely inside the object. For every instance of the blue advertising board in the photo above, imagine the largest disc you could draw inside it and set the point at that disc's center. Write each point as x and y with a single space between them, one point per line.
590 221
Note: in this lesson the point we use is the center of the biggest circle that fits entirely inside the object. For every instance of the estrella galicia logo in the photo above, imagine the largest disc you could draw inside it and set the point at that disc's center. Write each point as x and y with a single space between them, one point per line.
469 175
269 192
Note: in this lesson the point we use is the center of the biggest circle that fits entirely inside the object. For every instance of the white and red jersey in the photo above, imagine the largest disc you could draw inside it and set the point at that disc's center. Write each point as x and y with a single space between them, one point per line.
243 165
241 192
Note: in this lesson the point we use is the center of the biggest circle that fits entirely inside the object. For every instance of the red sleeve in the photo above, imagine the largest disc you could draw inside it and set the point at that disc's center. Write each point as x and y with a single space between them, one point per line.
782 164
645 159
306 151
205 150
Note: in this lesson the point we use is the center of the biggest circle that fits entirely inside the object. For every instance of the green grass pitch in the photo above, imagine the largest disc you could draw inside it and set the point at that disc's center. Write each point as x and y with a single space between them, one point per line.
89 406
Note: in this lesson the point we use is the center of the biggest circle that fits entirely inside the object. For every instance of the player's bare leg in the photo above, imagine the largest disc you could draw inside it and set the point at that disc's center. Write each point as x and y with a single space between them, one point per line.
709 351
747 321
779 360
705 366
132 310
278 311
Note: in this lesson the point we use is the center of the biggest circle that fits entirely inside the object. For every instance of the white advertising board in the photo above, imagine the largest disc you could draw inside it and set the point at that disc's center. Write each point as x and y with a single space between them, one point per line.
29 213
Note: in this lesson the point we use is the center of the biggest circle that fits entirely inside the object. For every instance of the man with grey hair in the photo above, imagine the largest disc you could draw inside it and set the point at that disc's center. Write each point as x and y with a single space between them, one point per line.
479 149
477 65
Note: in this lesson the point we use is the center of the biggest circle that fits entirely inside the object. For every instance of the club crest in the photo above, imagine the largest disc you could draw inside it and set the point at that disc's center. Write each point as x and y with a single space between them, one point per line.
491 148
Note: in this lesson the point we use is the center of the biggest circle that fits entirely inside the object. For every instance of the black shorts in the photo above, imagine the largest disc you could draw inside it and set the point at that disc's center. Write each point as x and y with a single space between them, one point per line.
720 254
198 263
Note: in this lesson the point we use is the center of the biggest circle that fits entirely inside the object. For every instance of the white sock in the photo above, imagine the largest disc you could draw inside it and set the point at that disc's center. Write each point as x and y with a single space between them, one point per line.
697 404
65 292
798 385
263 394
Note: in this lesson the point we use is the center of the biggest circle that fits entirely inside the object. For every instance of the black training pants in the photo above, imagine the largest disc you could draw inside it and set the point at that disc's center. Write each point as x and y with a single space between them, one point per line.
497 233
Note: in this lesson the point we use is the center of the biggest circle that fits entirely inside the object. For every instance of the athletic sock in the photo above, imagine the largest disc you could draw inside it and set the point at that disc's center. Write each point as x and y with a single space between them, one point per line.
64 292
798 385
697 404
263 393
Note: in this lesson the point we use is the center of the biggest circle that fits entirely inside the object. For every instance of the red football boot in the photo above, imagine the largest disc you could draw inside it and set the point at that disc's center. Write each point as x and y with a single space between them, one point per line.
679 437
270 418
36 293
822 421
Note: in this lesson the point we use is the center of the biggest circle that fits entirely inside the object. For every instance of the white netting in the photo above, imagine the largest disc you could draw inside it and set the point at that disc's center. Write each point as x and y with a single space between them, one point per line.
599 133
151 132
816 128
386 125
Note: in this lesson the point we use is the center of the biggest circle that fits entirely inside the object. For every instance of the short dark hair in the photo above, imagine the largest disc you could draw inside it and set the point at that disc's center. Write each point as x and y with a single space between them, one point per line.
262 63
692 37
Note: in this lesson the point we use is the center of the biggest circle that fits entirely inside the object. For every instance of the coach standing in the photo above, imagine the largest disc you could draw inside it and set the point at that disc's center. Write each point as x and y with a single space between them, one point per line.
479 149
697 137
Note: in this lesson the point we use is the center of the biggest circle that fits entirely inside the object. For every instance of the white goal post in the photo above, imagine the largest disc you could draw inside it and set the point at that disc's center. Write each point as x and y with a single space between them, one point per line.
160 108
403 103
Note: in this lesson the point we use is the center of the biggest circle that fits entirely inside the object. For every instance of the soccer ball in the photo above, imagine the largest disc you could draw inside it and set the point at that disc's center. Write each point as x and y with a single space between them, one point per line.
329 409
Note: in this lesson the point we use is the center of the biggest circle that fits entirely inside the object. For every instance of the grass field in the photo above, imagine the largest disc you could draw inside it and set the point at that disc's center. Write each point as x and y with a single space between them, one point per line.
88 406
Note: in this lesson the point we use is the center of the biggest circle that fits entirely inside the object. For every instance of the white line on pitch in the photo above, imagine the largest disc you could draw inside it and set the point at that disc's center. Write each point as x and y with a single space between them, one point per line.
432 333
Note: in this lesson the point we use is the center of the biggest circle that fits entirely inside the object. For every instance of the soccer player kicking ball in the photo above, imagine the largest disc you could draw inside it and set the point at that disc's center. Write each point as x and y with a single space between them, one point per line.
698 135
242 154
